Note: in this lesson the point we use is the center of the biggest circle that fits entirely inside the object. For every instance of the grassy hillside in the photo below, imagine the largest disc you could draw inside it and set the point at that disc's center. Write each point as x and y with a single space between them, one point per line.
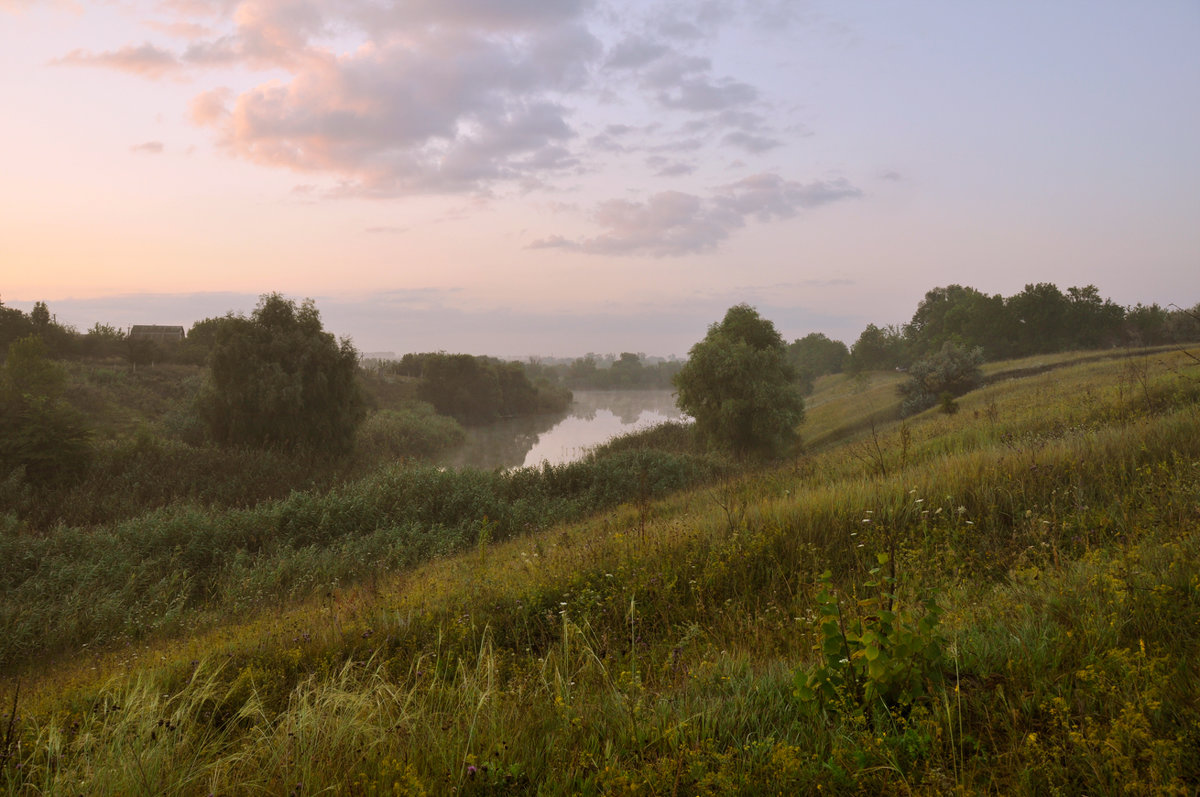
1004 600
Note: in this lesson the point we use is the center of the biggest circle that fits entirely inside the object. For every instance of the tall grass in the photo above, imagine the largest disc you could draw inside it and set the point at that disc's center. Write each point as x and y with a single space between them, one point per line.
127 580
655 649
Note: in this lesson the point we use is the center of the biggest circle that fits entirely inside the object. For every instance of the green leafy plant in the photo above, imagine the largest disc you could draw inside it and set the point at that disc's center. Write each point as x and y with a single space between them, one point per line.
880 655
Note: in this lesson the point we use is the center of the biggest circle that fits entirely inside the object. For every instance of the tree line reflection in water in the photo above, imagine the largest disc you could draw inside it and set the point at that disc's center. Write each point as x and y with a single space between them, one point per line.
594 417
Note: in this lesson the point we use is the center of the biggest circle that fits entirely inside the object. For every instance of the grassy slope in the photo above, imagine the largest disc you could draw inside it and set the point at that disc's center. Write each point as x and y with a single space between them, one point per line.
659 649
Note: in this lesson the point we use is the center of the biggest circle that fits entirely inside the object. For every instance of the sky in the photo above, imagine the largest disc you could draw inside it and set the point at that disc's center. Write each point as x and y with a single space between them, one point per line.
553 177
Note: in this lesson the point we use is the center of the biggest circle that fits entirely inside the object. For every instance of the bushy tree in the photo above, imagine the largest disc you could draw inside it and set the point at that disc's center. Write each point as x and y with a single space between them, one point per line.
278 379
480 390
461 386
103 340
815 355
961 315
14 325
39 431
1041 315
878 348
951 372
1093 322
1147 325
627 370
740 387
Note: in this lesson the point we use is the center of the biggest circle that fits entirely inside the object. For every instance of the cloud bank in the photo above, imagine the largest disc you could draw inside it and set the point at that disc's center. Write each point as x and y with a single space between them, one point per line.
484 97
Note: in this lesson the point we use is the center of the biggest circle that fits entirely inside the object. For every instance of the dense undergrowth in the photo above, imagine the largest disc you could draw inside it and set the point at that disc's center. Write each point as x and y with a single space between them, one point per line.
120 582
149 450
1006 600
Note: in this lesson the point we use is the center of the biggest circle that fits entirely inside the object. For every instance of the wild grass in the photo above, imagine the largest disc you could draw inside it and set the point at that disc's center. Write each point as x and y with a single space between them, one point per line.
655 649
159 573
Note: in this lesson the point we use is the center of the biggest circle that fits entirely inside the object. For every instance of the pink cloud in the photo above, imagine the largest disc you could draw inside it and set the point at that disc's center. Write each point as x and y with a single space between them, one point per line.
145 60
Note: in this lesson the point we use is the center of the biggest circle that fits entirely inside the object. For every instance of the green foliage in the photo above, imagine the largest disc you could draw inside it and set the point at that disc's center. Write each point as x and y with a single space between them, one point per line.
39 432
626 371
815 355
188 556
13 325
673 437
133 476
877 655
962 315
413 432
28 371
461 386
103 341
142 352
740 388
59 340
278 379
480 390
629 371
953 371
877 349
651 648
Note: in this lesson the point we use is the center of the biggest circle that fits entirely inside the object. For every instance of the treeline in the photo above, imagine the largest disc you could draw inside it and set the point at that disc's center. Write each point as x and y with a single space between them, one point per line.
104 341
479 390
1041 319
629 371
470 389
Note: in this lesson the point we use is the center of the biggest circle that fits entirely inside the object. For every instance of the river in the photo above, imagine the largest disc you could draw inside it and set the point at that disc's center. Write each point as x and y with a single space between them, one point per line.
594 417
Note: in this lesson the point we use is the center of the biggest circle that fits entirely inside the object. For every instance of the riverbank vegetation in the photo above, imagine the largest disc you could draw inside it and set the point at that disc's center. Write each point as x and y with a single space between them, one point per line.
1001 600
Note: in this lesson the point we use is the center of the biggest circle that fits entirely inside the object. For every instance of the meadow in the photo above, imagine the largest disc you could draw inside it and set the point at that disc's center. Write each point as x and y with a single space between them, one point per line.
1001 600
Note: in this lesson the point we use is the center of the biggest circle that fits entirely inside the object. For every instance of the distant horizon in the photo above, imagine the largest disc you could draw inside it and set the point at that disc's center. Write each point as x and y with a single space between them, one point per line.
432 329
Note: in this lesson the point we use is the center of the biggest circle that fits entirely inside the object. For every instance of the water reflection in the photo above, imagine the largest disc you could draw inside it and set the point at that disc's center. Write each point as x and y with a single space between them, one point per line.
596 416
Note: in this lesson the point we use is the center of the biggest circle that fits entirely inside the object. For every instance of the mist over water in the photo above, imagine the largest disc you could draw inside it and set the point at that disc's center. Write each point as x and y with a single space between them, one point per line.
594 417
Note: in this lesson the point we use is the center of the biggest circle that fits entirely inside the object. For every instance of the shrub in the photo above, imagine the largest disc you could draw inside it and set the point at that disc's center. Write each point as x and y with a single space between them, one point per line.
414 432
954 370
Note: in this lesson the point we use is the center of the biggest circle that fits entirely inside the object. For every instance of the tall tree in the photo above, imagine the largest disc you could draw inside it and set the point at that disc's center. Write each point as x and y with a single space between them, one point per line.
1091 321
740 388
962 315
1040 313
278 379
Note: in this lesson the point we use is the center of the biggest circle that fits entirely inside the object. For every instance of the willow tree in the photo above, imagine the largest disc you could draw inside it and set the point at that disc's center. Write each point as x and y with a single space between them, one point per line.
740 387
278 379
